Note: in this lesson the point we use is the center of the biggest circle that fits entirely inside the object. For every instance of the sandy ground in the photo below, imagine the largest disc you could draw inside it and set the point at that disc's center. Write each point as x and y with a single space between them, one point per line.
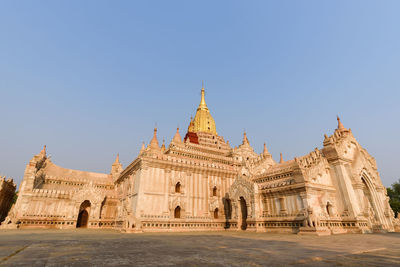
111 248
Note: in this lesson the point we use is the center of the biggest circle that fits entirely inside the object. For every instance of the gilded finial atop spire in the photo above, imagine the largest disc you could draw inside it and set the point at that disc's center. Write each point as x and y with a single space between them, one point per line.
340 125
203 121
203 105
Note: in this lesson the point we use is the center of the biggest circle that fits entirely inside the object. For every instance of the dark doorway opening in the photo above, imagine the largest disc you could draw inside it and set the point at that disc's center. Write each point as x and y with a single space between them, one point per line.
83 216
177 212
243 209
216 213
83 219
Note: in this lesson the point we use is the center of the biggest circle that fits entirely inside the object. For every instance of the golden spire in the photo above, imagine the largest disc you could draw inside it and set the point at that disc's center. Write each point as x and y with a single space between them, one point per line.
203 105
191 125
203 121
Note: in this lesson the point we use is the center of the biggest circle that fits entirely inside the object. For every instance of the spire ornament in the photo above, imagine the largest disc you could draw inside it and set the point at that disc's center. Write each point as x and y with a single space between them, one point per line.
163 145
154 142
142 149
340 125
265 151
281 160
177 137
117 159
203 105
245 140
203 121
43 152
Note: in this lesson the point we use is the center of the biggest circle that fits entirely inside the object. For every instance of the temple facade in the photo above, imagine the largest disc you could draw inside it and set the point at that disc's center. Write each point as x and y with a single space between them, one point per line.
199 182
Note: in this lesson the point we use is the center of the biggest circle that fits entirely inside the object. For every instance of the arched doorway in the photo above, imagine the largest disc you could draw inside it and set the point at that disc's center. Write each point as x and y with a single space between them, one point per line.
243 211
83 216
216 213
370 206
177 212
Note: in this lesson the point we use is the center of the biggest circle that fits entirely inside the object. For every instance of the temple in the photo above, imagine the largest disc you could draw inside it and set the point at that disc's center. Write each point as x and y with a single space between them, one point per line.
202 183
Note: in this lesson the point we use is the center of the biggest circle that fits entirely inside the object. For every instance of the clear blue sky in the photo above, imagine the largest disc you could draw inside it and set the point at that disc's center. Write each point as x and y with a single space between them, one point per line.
90 79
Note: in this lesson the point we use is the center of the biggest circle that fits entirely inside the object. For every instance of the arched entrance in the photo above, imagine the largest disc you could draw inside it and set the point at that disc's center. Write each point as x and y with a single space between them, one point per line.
177 212
370 205
83 216
216 213
243 211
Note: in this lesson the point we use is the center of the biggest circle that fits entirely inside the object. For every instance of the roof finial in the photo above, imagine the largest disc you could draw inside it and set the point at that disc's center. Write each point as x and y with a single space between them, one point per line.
163 145
154 141
340 125
142 148
265 152
117 158
43 152
245 140
203 105
177 138
281 160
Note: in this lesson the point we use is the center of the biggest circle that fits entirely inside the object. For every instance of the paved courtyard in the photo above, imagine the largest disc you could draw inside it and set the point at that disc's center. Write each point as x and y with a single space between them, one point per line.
97 248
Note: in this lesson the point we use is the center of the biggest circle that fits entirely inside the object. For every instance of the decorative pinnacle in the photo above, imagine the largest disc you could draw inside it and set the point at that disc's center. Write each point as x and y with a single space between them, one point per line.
281 160
203 105
177 138
43 152
245 140
154 141
163 145
340 125
265 152
142 148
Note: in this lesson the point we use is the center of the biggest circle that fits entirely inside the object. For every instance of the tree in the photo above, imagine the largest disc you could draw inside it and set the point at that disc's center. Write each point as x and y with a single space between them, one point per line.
394 195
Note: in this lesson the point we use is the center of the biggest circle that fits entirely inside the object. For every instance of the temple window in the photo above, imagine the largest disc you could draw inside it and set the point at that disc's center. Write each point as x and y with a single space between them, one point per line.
214 192
178 187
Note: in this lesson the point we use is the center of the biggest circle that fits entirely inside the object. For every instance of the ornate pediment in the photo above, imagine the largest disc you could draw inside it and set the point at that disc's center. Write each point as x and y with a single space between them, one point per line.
89 192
